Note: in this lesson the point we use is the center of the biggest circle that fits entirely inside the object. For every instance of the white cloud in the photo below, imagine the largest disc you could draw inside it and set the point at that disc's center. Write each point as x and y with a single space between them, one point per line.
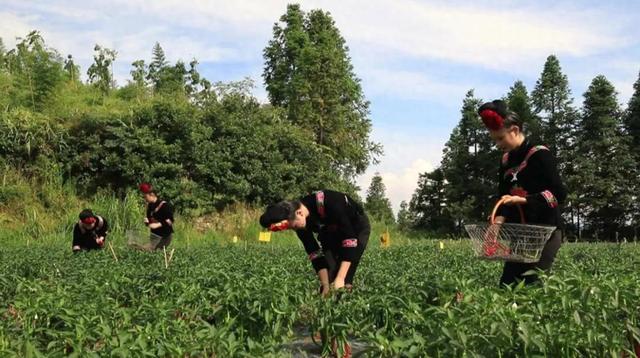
407 155
13 25
411 85
512 39
490 37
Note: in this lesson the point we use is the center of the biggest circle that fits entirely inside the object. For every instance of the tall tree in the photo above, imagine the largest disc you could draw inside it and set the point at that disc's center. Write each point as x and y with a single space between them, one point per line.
101 72
3 54
72 70
158 64
604 163
519 101
308 72
470 163
428 206
404 217
632 127
36 69
377 204
139 73
553 103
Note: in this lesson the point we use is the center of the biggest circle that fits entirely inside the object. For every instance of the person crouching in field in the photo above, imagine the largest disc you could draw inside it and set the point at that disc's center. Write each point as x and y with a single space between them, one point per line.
529 178
343 233
90 232
159 218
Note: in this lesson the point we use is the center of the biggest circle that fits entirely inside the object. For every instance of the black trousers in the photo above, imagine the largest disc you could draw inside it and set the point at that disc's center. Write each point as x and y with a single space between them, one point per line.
513 271
331 248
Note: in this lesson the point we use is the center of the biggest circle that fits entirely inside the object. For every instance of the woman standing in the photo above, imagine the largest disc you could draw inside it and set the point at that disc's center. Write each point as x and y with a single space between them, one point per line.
528 178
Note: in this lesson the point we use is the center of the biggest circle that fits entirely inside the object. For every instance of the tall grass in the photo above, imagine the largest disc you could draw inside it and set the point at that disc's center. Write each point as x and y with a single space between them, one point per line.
46 209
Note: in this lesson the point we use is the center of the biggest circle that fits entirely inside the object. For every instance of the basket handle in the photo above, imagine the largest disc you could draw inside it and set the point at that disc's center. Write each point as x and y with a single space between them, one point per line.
495 210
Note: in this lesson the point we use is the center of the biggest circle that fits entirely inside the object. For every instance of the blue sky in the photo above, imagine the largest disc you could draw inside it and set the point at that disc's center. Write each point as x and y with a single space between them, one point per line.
416 59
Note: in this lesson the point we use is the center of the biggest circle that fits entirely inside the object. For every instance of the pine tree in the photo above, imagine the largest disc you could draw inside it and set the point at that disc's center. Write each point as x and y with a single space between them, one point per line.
158 64
428 206
518 101
308 72
377 204
470 163
553 103
404 217
632 128
604 163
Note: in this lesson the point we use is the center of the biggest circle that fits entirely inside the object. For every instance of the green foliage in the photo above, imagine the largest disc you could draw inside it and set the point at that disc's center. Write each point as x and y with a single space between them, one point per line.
596 154
519 102
605 163
404 217
428 203
100 72
632 129
236 300
469 165
35 72
377 205
309 73
204 145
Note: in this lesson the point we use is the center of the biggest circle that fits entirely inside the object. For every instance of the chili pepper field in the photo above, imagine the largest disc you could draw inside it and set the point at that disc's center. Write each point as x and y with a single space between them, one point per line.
213 299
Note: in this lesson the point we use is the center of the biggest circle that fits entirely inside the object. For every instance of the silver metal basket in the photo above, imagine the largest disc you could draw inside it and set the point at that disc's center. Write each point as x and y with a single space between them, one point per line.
142 239
508 241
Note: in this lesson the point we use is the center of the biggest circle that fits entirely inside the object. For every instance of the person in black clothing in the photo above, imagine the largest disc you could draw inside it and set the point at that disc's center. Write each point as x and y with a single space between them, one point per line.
159 218
343 233
529 178
90 232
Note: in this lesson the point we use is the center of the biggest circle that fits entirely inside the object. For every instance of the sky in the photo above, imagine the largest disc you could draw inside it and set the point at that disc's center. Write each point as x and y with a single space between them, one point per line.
416 59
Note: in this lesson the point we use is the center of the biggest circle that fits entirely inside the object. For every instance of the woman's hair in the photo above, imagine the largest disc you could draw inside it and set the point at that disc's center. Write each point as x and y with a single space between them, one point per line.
496 115
275 213
85 214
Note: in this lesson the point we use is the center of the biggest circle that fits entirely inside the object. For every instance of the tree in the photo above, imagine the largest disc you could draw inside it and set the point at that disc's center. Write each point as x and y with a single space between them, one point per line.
377 204
518 101
428 205
469 165
632 128
604 163
308 73
553 103
72 70
139 73
157 65
100 72
3 55
404 218
37 71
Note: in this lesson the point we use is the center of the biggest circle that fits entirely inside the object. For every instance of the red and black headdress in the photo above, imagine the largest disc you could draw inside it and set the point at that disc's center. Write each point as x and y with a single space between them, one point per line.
275 215
494 114
86 217
146 188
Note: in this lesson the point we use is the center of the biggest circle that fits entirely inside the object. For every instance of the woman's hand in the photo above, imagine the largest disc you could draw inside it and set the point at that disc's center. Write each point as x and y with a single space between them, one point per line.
513 200
155 225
